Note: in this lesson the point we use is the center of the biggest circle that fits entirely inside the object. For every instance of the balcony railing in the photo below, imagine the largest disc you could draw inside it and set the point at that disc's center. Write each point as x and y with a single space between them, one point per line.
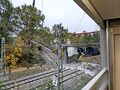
99 82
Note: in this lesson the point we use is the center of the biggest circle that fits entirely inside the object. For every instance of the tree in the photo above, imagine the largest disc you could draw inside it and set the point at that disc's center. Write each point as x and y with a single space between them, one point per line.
73 38
6 10
95 38
64 32
45 37
14 52
27 21
85 39
30 56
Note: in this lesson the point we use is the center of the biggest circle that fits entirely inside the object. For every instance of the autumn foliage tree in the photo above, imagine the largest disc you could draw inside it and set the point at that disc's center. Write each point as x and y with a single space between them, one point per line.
14 52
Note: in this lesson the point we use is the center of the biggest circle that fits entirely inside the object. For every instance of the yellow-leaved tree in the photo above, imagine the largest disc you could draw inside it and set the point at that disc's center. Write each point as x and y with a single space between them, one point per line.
14 52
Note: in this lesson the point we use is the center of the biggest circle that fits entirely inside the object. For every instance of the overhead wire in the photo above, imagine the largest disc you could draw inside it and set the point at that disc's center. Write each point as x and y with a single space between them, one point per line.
42 6
43 16
80 22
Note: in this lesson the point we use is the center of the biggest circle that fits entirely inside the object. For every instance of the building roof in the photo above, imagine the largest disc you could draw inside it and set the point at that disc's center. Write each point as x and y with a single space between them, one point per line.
85 33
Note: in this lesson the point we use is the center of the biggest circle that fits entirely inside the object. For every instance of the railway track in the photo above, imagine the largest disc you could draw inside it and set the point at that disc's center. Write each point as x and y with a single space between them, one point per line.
63 79
36 80
25 80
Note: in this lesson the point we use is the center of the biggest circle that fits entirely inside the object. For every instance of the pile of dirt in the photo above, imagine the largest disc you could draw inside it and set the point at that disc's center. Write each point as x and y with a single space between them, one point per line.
92 59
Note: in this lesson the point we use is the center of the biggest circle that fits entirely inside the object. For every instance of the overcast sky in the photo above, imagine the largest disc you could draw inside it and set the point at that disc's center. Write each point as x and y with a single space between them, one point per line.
66 12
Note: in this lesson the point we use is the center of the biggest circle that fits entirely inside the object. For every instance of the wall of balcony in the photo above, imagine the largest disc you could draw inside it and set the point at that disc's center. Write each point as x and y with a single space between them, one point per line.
99 82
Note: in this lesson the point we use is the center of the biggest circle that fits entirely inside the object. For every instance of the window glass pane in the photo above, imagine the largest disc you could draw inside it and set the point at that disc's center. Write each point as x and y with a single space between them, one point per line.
52 44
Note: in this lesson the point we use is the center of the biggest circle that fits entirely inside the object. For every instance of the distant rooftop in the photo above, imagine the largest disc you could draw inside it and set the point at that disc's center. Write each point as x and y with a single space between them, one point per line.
85 33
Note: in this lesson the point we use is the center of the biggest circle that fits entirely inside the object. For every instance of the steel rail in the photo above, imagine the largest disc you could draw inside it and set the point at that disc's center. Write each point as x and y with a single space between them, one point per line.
14 83
63 80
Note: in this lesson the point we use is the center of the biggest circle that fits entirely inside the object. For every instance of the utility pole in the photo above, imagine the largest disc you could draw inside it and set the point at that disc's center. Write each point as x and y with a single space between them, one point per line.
59 70
2 59
33 3
43 16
